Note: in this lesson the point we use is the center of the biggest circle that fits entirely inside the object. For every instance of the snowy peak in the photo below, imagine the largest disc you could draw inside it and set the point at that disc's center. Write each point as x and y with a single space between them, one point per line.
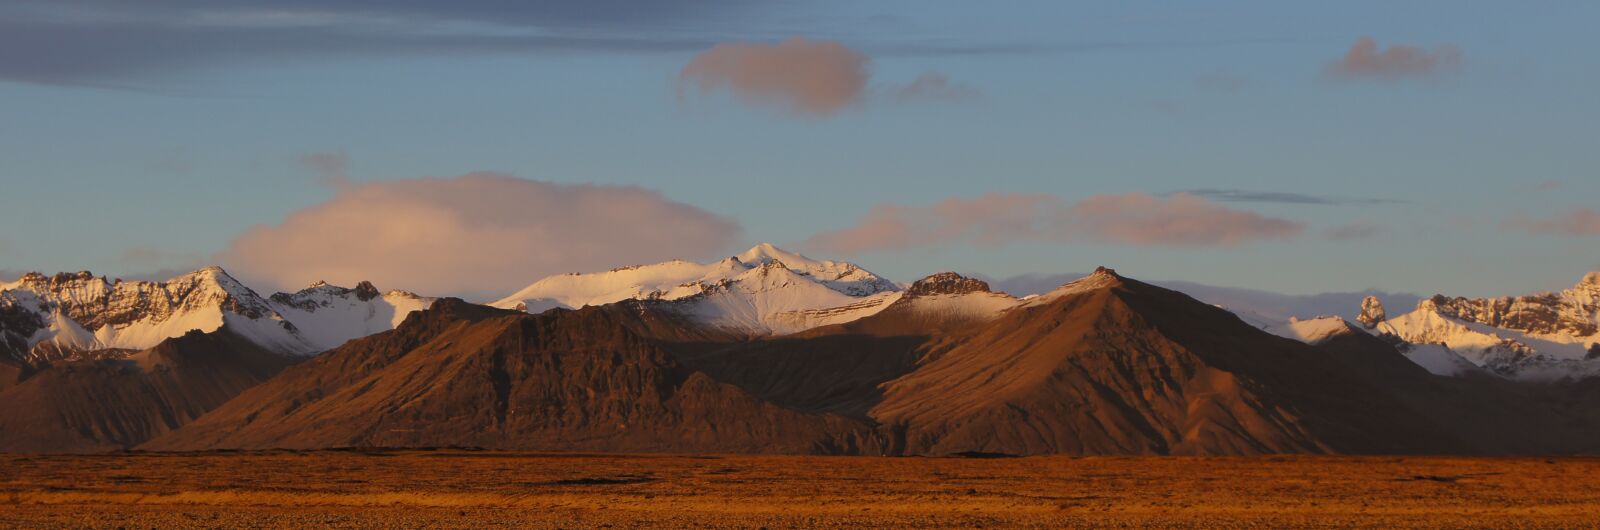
83 313
1101 278
72 315
1538 336
328 315
762 290
841 276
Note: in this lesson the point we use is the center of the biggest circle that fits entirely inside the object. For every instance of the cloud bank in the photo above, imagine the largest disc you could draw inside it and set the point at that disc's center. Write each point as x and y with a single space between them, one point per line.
479 235
1575 222
1141 219
1398 61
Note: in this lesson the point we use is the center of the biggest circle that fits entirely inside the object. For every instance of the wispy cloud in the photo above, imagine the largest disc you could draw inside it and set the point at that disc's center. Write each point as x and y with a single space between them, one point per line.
803 76
1237 195
933 86
332 167
1356 230
433 234
1574 222
1365 59
1130 219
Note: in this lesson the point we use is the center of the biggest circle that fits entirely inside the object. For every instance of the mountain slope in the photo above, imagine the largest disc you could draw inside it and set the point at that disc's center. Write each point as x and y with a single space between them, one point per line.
466 375
838 368
1107 365
99 405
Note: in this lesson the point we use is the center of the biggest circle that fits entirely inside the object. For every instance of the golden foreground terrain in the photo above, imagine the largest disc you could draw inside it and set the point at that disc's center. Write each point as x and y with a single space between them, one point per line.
469 489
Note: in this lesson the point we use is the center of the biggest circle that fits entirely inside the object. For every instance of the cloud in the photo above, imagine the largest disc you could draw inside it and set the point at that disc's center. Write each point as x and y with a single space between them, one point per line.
933 86
804 76
480 234
327 163
112 44
1237 195
332 167
1356 230
1549 185
1130 219
1575 222
1398 61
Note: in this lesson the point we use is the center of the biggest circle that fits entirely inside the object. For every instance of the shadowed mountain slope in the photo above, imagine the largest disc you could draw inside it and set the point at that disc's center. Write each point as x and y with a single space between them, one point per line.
102 405
463 375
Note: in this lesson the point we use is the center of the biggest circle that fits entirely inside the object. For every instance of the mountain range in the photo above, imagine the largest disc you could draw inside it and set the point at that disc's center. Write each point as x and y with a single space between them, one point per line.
771 351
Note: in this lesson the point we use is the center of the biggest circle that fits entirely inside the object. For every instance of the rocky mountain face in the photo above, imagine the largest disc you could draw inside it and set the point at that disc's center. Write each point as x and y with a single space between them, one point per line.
1372 312
77 316
1543 336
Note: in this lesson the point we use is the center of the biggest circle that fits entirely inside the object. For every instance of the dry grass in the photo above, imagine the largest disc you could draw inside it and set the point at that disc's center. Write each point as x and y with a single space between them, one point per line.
456 489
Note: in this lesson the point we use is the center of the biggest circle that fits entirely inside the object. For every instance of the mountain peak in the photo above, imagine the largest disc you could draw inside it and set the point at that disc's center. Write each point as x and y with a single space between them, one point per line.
947 283
1590 280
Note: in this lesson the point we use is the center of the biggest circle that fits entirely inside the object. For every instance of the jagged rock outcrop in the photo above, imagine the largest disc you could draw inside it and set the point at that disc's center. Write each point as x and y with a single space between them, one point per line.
947 283
1372 312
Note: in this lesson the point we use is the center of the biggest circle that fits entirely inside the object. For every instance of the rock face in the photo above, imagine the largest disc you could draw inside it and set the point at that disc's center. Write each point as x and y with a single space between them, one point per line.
947 283
1372 312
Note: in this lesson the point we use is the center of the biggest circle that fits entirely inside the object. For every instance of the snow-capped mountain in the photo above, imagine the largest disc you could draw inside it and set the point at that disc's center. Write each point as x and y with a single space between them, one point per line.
75 315
764 290
1541 336
329 315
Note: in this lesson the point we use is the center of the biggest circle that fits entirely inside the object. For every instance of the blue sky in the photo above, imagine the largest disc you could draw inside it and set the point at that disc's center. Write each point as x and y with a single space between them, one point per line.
166 157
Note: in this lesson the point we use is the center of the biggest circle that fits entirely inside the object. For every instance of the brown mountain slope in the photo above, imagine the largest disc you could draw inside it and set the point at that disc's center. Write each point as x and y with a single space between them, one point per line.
839 368
1114 366
463 375
88 406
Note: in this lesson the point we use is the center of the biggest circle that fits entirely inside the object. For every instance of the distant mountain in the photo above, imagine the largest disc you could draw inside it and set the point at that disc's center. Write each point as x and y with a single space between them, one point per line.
1544 336
75 316
1103 365
763 291
585 380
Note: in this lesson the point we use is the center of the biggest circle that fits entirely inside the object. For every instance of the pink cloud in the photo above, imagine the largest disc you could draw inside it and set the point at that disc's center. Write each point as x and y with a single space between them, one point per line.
804 76
480 234
1180 220
1365 60
1575 222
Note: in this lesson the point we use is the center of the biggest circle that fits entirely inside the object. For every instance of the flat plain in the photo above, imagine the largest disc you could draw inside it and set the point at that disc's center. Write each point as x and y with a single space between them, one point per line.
478 489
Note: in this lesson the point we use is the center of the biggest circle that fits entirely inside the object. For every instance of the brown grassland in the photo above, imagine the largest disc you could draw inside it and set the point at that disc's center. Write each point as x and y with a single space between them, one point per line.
472 489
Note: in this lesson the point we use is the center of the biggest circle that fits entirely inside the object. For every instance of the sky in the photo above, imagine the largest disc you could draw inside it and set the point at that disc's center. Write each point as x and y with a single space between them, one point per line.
472 147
